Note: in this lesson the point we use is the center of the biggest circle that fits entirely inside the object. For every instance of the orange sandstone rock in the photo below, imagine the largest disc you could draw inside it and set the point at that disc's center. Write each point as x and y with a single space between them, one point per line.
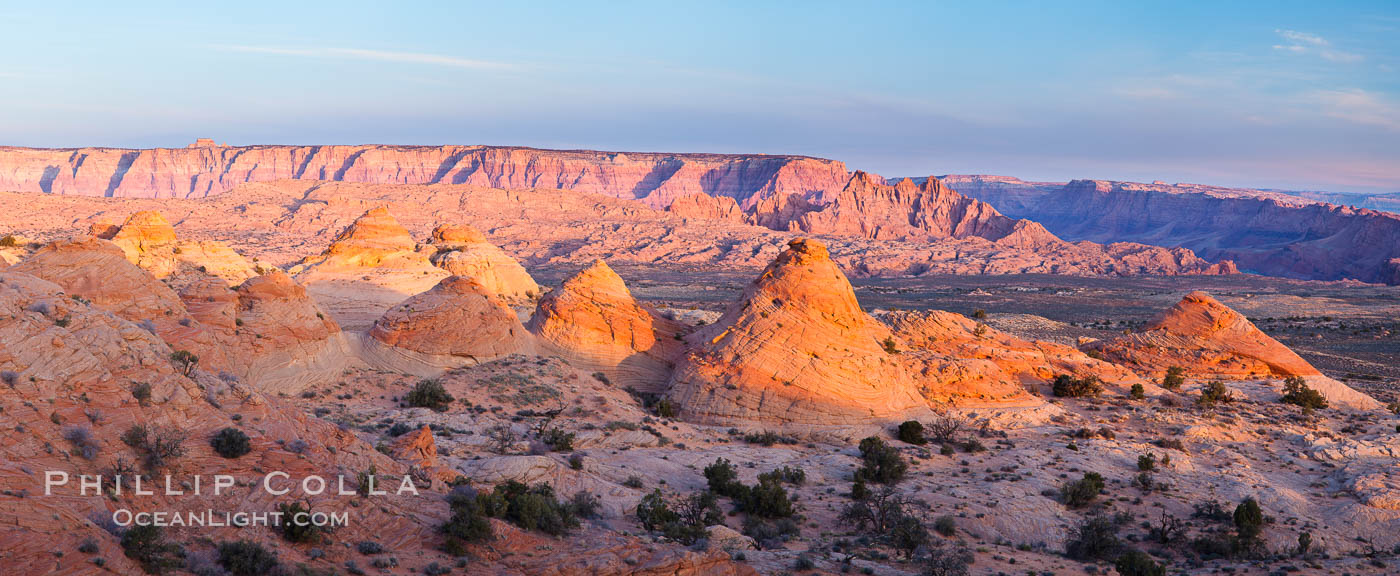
458 317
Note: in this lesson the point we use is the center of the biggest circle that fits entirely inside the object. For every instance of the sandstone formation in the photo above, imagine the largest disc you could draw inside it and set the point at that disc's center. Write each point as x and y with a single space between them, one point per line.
79 375
98 271
1262 231
373 264
796 349
458 317
594 320
149 241
464 251
787 193
963 362
1209 339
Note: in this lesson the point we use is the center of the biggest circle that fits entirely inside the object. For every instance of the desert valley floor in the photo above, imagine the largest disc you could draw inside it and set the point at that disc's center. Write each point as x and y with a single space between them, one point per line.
589 385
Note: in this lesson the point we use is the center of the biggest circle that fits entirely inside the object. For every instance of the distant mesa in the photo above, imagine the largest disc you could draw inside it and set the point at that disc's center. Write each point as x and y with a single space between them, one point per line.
1210 340
457 317
593 320
795 349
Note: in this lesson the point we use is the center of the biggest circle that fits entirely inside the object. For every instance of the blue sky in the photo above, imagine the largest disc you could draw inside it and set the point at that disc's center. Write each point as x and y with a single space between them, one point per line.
1302 95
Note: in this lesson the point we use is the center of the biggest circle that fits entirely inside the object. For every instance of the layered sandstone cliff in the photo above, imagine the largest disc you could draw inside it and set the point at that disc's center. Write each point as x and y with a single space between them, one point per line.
1264 232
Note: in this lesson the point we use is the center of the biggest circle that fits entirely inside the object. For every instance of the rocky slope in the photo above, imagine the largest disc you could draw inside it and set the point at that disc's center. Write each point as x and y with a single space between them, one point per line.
1210 340
1264 232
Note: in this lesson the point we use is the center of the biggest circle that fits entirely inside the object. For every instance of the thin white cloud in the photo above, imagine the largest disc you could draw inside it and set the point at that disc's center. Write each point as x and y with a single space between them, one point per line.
1304 42
369 55
1359 107
1302 37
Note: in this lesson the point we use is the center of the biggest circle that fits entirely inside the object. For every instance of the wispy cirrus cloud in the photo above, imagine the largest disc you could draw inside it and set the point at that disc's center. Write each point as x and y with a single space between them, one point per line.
368 55
1304 43
1359 107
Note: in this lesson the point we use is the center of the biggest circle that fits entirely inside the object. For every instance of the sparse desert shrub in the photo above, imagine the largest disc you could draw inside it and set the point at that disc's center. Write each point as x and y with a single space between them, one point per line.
1394 407
768 438
141 391
429 394
654 512
369 547
665 408
945 525
502 437
1297 392
296 523
1174 378
1147 462
788 474
231 443
9 241
1096 538
146 545
979 314
803 563
184 361
245 558
558 440
946 559
766 499
1249 519
576 461
722 478
1137 392
533 508
908 535
468 523
693 514
81 437
9 377
297 446
585 504
399 429
1082 492
158 446
912 432
601 377
890 346
1066 386
1138 563
435 569
634 481
771 533
1213 394
880 462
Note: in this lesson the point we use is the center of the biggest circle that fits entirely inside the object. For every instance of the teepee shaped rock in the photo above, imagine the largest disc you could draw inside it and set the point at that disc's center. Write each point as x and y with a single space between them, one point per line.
796 349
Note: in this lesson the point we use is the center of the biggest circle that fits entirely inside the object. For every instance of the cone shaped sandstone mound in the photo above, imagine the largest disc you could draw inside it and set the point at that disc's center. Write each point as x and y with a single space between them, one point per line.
1209 339
372 265
458 317
964 363
464 251
594 320
149 241
796 349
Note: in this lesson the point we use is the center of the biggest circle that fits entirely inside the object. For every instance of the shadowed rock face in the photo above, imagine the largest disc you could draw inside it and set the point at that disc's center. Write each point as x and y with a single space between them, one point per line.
796 349
1208 339
592 318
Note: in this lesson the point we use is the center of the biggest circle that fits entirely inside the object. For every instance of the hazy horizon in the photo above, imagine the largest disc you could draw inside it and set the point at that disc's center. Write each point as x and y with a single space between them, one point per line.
1290 96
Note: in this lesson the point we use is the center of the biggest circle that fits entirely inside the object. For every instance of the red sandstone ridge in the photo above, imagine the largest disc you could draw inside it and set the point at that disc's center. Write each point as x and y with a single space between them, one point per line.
795 349
458 317
869 208
1209 339
786 193
593 320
